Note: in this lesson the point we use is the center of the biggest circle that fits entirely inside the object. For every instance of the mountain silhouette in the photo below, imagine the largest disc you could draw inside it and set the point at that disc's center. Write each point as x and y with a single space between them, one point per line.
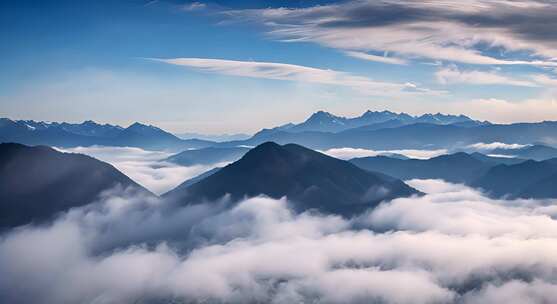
529 179
309 179
411 136
322 121
209 155
38 182
456 168
89 133
534 152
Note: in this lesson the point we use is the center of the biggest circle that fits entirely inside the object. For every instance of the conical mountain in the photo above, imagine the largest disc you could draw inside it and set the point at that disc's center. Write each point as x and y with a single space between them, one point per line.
309 179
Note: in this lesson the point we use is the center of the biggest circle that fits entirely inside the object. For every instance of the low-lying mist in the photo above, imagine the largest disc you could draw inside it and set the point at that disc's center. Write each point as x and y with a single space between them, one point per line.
147 168
348 153
452 245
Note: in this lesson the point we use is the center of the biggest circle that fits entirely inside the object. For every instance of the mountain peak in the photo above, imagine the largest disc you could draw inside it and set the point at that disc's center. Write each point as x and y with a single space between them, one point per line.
323 121
309 179
322 115
90 123
137 126
42 182
384 112
321 112
265 147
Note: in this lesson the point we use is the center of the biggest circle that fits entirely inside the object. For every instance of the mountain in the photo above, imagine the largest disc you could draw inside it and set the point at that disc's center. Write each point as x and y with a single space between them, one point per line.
456 168
497 160
443 119
322 121
309 179
207 156
38 182
90 133
197 178
530 179
393 123
535 152
152 138
413 136
498 177
216 138
87 128
542 188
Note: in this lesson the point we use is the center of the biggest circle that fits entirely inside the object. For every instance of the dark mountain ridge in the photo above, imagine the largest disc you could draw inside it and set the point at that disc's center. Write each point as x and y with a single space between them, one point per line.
536 152
498 177
207 156
37 182
455 168
309 179
529 179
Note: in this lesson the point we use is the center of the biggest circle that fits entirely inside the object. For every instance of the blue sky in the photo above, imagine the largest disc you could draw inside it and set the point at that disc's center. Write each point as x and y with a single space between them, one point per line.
238 66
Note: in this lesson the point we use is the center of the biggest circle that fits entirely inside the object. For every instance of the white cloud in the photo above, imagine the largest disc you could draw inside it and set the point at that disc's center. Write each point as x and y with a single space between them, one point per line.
495 145
452 74
439 30
515 292
193 6
452 245
545 80
462 211
370 57
504 111
348 153
291 72
147 168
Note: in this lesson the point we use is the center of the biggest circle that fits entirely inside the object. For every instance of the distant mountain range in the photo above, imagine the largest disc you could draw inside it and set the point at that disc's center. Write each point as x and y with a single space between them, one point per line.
309 179
413 136
38 182
207 156
456 168
499 177
534 152
90 133
214 137
322 121
373 130
529 179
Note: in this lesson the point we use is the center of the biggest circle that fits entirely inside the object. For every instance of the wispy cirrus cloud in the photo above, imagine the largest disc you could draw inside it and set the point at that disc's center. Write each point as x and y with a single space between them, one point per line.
545 80
507 111
370 57
292 72
452 74
194 6
439 30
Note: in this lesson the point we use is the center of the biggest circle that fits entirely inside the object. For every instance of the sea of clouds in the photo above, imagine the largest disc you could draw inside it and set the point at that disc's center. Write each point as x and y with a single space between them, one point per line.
452 245
148 168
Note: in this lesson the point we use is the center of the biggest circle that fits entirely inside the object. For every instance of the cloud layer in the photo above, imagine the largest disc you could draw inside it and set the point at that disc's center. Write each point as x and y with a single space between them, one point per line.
147 168
348 153
452 245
